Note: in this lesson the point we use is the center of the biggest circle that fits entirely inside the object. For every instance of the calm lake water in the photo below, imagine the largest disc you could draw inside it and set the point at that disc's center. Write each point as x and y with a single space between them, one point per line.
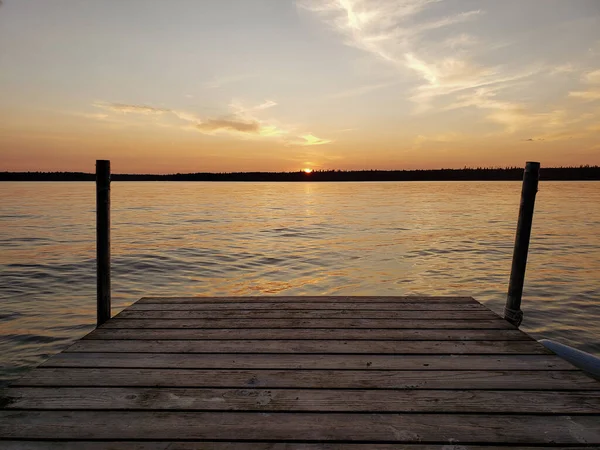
178 239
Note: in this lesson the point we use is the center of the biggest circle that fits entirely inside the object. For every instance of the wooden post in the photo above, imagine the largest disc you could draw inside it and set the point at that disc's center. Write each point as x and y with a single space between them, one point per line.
103 240
512 310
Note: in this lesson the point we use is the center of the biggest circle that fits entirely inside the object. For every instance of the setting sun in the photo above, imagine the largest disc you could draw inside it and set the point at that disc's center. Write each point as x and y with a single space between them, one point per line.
307 170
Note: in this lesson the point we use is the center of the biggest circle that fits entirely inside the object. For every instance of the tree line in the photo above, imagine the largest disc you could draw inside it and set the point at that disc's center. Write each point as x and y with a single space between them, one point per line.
465 174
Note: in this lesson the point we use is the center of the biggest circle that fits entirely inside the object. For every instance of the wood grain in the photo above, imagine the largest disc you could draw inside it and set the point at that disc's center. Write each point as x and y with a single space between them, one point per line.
208 445
309 323
310 346
338 400
313 379
299 361
303 373
409 428
301 305
310 299
309 314
310 334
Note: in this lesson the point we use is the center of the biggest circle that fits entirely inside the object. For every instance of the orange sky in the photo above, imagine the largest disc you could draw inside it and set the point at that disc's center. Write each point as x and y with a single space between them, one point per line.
276 85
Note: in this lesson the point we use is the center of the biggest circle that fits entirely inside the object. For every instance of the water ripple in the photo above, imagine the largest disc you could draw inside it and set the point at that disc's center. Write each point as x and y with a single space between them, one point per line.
296 239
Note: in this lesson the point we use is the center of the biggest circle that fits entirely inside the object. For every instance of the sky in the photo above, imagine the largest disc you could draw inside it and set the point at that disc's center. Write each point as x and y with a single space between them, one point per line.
282 85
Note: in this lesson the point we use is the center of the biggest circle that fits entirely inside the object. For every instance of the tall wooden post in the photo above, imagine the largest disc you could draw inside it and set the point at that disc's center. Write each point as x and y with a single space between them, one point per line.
103 240
512 310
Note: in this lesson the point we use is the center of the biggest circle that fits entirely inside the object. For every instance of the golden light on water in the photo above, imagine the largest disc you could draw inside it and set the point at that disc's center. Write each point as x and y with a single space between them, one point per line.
307 170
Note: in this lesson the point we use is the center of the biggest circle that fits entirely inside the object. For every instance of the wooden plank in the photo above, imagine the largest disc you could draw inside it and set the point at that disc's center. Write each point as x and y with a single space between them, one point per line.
310 346
336 306
306 400
308 314
299 361
310 299
309 323
315 333
409 428
207 445
321 379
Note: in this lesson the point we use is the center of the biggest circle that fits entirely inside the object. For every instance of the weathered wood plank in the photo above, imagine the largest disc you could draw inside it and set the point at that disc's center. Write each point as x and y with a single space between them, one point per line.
322 379
409 428
308 314
315 333
338 400
310 299
206 445
310 346
299 361
309 323
330 306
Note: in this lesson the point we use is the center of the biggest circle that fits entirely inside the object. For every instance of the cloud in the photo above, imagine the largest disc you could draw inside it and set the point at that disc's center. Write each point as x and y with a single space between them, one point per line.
592 77
212 125
516 116
512 116
311 139
563 68
96 116
395 32
589 95
267 104
308 139
460 41
593 93
385 28
240 109
362 90
135 109
242 121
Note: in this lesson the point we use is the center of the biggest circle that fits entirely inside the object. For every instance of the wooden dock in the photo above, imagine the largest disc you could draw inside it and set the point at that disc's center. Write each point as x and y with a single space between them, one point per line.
304 373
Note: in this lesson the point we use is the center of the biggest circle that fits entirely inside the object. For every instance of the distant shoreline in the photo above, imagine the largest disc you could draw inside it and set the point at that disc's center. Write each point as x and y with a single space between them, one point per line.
581 173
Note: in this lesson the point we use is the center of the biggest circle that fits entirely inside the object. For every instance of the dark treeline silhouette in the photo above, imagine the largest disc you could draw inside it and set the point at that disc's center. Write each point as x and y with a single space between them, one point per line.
465 174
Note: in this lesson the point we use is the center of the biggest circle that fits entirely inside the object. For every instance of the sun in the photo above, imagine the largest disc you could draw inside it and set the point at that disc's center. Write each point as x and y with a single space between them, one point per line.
307 170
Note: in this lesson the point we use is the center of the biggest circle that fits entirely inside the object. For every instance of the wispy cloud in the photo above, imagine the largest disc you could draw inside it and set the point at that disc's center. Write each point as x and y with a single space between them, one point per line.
311 139
592 77
212 125
563 68
593 91
362 90
589 95
134 109
552 125
242 121
238 108
306 140
397 33
459 41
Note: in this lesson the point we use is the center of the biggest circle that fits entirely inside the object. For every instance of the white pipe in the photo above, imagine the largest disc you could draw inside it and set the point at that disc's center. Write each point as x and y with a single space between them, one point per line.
583 360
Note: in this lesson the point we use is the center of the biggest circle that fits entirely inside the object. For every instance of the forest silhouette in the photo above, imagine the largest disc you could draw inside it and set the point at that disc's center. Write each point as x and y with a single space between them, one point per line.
464 174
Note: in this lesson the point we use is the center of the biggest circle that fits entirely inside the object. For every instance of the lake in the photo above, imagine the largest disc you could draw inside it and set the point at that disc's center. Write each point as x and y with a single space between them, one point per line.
394 238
